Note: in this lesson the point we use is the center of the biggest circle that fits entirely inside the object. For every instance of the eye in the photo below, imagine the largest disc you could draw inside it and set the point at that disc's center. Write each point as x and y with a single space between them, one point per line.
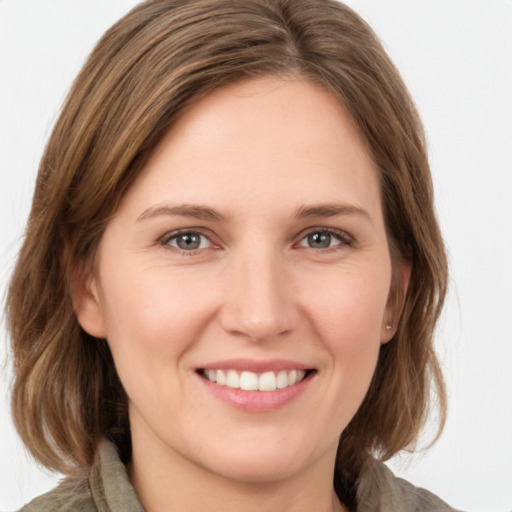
187 240
325 239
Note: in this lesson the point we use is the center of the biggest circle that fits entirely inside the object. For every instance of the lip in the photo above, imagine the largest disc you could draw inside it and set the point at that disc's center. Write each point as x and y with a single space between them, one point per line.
256 366
257 401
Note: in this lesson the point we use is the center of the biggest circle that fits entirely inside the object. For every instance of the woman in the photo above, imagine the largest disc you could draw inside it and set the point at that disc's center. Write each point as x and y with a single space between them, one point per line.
242 268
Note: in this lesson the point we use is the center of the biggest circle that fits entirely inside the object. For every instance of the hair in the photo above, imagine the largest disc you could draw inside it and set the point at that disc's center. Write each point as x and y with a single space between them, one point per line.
160 58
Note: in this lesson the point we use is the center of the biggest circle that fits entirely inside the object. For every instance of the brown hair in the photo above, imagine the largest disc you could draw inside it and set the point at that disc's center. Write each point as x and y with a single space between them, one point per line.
143 73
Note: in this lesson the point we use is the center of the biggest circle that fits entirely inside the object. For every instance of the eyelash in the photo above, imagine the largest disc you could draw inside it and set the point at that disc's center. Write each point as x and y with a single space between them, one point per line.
166 239
344 239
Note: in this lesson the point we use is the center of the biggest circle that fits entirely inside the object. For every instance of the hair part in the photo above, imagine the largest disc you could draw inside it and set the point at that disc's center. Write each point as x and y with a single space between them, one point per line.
146 70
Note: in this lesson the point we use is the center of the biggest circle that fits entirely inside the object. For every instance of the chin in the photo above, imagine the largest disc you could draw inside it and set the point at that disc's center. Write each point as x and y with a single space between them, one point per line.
261 471
267 461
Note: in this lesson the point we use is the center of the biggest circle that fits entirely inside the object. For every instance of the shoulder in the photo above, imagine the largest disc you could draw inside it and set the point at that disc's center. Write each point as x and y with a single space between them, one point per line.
379 490
105 487
72 494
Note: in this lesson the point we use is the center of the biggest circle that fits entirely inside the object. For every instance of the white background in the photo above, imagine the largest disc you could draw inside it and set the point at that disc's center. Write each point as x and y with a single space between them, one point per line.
456 57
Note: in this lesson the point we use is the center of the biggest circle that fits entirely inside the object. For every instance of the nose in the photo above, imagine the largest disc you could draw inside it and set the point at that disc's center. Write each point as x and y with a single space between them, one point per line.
259 302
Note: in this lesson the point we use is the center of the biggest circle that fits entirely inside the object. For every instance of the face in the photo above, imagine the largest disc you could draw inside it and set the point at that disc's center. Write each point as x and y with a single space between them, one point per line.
243 283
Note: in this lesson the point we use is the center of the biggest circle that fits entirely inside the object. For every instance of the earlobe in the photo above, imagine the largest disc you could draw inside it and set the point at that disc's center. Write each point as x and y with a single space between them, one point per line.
87 304
387 333
396 300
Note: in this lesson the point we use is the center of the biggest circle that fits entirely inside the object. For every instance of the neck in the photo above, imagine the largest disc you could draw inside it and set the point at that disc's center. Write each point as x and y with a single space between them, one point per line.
165 481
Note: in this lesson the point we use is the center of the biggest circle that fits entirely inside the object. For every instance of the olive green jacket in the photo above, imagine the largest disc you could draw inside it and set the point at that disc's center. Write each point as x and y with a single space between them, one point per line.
108 489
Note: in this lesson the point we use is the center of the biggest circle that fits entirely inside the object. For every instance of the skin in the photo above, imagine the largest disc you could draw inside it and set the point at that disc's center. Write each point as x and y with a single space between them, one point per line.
256 288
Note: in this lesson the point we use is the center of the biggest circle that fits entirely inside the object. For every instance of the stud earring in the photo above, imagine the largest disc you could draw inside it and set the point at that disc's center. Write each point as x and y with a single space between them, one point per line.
388 327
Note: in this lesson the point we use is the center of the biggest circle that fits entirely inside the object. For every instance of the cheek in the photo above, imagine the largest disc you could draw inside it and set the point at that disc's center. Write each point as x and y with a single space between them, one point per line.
345 309
348 319
350 309
152 319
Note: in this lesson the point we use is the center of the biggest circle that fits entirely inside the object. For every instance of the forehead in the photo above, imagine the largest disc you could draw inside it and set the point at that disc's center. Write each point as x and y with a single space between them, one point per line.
279 142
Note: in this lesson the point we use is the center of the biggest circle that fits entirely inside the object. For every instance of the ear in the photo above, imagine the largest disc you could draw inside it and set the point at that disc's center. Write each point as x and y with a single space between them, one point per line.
86 301
399 284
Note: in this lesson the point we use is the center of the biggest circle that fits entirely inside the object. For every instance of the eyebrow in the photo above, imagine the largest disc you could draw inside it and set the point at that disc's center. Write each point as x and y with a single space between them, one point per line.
202 212
195 211
330 210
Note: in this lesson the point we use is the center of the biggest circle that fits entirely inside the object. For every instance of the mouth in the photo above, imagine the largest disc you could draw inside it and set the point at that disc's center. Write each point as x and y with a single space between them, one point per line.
252 381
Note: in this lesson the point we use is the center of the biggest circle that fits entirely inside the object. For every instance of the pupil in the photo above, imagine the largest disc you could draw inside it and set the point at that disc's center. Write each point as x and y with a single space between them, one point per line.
320 240
189 241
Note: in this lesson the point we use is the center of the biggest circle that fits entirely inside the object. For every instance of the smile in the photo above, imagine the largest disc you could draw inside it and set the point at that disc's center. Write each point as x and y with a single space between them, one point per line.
251 381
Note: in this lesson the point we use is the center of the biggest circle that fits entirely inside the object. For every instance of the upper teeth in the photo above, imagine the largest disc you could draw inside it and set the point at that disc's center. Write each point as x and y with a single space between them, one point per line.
249 381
